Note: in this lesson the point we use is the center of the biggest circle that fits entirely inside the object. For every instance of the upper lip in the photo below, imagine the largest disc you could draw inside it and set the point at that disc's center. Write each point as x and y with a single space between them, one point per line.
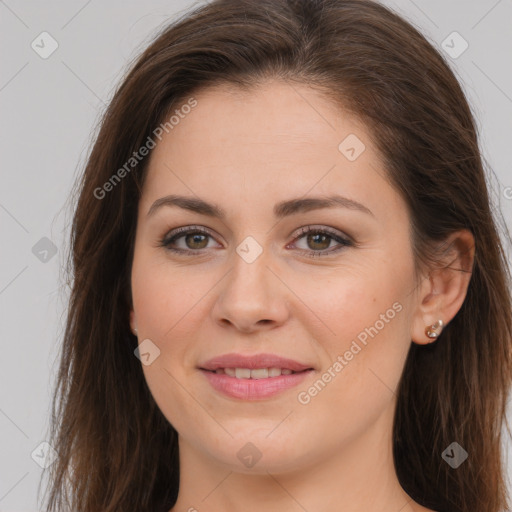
253 362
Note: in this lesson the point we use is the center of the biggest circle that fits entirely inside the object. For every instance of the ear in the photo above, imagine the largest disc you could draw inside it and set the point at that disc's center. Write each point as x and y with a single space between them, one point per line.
443 291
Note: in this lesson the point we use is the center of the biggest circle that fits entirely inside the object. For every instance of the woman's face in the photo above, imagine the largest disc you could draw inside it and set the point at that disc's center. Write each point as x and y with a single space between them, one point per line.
339 302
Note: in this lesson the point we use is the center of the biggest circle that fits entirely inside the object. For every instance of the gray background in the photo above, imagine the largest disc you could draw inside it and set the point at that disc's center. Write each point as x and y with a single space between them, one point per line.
49 110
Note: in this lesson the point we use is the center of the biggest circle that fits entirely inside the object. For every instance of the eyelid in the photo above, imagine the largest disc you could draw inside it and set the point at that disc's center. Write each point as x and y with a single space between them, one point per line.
324 229
343 240
184 230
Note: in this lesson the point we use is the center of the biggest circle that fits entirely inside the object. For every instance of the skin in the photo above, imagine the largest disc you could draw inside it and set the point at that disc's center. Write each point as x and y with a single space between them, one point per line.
246 151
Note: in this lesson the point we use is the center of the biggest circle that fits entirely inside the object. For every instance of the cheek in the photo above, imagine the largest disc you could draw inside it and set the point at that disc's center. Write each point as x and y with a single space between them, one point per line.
361 300
164 299
164 296
171 304
365 346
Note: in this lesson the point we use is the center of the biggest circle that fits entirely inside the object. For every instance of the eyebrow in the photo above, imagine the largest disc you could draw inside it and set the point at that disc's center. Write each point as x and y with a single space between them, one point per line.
281 210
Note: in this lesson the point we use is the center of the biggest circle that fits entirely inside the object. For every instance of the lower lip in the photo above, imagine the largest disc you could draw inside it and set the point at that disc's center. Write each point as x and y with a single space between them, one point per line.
253 389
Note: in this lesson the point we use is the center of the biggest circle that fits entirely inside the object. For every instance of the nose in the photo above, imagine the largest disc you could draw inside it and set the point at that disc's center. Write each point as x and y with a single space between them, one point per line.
252 297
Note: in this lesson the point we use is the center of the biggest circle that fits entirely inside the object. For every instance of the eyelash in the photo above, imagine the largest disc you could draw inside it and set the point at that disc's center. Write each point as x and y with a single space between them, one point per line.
180 232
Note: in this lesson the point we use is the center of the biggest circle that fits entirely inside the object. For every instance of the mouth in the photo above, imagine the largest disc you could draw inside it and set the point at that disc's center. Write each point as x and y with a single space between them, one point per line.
257 373
253 377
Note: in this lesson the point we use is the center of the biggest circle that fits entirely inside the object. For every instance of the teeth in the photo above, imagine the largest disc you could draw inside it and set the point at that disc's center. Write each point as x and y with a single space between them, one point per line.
230 371
261 373
258 373
274 372
242 373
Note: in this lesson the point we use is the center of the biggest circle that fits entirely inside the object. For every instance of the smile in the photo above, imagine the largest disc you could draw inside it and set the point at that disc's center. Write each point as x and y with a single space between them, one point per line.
258 373
254 376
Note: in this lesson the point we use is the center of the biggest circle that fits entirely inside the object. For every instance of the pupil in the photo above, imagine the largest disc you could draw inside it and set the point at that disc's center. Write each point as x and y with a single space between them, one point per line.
195 238
322 237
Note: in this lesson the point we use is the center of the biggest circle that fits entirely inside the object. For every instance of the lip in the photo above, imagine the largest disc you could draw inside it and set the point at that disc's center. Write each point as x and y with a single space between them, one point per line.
253 389
252 362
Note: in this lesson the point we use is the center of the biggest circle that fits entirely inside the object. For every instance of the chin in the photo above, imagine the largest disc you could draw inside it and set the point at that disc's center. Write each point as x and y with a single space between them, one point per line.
255 452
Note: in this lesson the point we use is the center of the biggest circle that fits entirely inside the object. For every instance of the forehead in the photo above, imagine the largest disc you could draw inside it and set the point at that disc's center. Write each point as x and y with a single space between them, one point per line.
275 140
289 111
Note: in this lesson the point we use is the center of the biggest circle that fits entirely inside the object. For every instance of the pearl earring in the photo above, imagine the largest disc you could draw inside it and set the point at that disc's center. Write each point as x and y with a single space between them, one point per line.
434 330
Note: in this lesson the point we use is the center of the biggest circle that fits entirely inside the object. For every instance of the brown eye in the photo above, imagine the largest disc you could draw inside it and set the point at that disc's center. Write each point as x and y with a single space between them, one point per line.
319 240
194 239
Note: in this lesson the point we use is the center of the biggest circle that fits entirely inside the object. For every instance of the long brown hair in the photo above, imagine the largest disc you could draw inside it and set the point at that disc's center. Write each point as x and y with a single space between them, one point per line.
116 449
